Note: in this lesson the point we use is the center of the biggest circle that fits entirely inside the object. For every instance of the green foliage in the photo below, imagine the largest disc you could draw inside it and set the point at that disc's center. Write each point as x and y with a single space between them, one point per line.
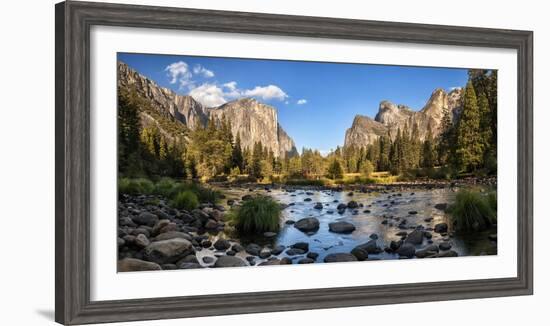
473 210
428 150
366 168
469 141
257 215
187 200
335 170
164 187
139 186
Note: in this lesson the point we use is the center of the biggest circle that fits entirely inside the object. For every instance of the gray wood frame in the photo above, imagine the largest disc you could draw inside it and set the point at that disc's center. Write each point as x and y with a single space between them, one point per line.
72 153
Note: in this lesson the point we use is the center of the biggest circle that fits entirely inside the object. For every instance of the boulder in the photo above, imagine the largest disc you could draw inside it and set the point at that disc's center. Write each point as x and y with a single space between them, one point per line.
285 261
441 228
229 261
415 237
145 218
265 253
168 251
301 245
136 265
211 225
269 262
141 241
312 255
360 254
277 250
339 257
222 244
207 259
306 261
371 247
253 249
427 251
159 226
406 250
449 253
189 266
445 245
318 206
237 248
341 227
441 206
295 252
308 224
341 206
353 204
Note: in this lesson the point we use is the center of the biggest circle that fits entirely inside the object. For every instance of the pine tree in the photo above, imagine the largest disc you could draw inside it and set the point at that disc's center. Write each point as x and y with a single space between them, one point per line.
428 154
237 159
335 170
446 141
469 143
256 164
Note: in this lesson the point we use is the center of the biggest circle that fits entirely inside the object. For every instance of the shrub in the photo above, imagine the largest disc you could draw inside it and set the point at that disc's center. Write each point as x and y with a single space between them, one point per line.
257 215
185 200
472 211
135 186
164 187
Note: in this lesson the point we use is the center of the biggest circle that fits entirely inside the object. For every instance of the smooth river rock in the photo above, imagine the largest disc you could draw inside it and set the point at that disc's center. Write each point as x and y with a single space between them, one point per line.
308 224
229 261
339 257
168 251
136 265
341 227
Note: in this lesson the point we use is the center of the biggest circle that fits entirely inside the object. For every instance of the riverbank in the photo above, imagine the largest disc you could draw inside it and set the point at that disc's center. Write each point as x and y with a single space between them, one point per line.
318 225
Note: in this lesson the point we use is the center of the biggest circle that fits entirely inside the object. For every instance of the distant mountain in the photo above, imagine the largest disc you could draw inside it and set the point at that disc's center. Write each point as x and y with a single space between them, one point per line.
252 120
391 117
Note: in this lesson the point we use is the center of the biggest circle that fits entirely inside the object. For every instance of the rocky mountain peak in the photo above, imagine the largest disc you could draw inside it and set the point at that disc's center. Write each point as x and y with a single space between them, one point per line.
391 118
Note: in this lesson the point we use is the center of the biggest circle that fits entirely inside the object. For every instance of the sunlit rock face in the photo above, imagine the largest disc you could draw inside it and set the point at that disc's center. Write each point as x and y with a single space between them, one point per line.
255 122
391 118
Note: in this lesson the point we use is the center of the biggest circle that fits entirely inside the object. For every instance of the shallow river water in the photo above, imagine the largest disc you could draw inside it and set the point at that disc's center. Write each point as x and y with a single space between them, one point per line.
393 206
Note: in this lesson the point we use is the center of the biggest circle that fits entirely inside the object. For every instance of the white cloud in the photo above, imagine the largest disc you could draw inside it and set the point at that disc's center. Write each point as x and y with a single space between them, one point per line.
454 87
301 101
232 85
200 70
211 94
266 93
208 94
178 70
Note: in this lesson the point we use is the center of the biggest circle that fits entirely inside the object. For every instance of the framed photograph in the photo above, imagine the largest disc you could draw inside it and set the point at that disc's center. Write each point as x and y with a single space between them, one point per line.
216 162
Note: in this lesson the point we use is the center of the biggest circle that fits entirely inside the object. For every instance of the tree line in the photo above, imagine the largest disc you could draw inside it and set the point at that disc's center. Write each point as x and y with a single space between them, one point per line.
466 144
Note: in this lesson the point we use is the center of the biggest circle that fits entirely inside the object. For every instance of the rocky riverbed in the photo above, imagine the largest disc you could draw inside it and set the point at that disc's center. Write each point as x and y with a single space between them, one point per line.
317 225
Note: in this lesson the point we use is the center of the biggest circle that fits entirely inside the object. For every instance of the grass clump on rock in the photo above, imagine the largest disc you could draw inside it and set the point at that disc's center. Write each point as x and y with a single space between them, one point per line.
473 211
257 215
185 200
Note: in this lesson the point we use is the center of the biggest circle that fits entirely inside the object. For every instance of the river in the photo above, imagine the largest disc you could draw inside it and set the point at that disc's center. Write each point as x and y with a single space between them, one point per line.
391 205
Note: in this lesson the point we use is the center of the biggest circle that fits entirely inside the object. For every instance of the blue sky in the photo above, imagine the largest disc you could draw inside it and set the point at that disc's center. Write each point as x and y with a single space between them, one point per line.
316 101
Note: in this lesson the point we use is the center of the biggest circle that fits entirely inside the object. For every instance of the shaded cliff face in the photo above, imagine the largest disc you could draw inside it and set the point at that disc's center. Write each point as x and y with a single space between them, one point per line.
254 121
391 117
183 108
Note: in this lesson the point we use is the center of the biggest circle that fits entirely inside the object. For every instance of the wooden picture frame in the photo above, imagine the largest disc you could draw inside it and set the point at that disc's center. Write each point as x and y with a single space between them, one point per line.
72 190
